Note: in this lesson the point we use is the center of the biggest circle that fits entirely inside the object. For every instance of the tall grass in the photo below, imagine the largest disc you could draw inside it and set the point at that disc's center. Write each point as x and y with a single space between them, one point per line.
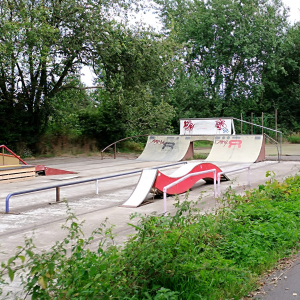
294 138
189 255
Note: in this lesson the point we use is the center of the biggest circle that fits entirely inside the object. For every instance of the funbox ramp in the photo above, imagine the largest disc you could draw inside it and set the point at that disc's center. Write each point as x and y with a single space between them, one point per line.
165 148
237 148
152 178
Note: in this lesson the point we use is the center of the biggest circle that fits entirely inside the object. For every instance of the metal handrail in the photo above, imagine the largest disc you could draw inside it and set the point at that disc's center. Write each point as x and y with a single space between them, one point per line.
12 153
184 178
115 143
272 141
217 192
267 129
57 187
231 171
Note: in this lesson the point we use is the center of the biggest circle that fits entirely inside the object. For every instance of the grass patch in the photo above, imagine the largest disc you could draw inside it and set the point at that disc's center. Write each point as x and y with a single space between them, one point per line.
130 147
203 144
200 155
294 138
185 256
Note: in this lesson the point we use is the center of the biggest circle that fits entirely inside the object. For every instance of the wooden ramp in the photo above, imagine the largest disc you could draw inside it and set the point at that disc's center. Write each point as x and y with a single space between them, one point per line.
9 173
7 159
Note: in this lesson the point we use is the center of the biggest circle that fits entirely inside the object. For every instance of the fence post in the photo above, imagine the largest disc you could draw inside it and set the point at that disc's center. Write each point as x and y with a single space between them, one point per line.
241 123
276 123
262 123
252 123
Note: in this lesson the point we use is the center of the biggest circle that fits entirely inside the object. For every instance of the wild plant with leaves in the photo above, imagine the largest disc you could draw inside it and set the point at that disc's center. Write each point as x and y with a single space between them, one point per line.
188 255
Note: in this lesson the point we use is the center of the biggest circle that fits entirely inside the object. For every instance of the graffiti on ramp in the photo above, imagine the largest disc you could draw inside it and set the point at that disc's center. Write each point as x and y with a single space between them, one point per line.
166 148
237 148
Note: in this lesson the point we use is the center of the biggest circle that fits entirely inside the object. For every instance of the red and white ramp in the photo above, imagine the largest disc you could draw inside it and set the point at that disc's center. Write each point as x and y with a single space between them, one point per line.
237 148
152 178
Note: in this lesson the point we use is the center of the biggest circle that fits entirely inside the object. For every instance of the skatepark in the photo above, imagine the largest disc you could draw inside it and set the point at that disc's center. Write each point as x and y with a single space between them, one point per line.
38 214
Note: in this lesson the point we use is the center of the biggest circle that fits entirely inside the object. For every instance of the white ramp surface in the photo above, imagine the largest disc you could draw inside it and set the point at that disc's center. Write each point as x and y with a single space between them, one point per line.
165 148
142 189
236 148
185 169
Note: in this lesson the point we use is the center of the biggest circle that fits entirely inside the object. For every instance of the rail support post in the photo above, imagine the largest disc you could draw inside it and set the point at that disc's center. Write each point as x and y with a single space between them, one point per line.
57 194
97 187
231 171
248 176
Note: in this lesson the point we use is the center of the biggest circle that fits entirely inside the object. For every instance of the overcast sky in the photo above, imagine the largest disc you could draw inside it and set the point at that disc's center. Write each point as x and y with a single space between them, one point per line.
294 9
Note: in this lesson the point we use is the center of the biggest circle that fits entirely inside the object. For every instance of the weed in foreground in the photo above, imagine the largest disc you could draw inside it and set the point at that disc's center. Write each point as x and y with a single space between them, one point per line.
189 255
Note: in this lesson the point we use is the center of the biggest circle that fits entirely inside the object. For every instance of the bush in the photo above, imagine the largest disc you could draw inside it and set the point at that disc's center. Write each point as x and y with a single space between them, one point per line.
294 138
186 256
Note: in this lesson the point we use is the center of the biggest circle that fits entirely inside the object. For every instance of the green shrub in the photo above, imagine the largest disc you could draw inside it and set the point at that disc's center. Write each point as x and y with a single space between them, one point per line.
131 146
294 138
190 255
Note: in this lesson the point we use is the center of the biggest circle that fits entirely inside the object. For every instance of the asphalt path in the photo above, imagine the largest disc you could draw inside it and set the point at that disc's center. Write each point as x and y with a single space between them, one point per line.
283 283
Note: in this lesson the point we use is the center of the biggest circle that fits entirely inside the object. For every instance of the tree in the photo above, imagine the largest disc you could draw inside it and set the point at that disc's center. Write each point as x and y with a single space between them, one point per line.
136 74
66 106
282 83
42 43
228 43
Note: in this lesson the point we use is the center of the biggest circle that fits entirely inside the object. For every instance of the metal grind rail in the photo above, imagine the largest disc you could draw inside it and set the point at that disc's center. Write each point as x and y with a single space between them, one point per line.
57 187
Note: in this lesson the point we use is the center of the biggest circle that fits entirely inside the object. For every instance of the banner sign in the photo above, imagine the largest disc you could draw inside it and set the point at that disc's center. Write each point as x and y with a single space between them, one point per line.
206 126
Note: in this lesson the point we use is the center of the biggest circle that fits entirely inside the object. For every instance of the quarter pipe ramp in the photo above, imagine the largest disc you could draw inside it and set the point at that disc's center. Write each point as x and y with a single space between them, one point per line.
237 148
166 148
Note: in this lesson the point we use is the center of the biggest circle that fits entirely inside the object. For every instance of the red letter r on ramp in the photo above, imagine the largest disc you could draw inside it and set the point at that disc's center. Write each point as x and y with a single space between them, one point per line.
234 143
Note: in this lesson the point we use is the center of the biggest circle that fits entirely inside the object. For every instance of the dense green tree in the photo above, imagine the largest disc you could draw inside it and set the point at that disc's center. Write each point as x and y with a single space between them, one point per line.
229 43
42 42
137 74
282 83
66 106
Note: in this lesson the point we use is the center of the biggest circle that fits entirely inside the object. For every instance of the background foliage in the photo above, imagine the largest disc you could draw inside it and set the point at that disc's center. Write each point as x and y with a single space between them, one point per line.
216 58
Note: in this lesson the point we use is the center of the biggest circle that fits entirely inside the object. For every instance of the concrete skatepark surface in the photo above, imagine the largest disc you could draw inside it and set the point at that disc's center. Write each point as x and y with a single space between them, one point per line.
31 214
